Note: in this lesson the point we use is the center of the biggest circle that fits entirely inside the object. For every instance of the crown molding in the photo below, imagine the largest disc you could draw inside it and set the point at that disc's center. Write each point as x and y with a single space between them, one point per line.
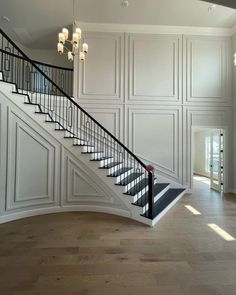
152 29
233 30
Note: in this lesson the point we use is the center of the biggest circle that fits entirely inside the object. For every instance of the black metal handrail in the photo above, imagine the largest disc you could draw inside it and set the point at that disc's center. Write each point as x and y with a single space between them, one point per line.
41 90
37 62
59 75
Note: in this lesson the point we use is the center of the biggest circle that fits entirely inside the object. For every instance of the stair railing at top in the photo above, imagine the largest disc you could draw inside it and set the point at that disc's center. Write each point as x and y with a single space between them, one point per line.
59 75
39 89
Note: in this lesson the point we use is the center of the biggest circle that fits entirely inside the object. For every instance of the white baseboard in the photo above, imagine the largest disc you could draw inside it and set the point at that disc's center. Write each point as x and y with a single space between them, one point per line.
188 190
83 208
232 190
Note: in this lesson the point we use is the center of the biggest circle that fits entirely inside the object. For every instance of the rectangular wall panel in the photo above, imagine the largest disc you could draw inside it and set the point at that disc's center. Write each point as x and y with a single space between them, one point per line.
109 116
155 136
207 70
154 68
100 75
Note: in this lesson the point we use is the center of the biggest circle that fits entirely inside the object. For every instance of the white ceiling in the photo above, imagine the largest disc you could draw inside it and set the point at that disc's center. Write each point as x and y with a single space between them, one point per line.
35 23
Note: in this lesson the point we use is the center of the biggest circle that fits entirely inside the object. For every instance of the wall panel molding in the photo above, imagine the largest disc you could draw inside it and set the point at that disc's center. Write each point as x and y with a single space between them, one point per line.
3 153
110 116
33 163
154 144
154 70
78 185
209 84
100 76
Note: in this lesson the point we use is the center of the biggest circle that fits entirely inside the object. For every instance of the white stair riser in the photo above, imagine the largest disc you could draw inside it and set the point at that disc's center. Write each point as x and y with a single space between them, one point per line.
133 183
79 142
88 149
124 175
105 162
96 156
115 168
68 134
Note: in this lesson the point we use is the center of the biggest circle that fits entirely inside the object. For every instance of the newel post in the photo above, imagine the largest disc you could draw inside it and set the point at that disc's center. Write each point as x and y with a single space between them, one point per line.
150 171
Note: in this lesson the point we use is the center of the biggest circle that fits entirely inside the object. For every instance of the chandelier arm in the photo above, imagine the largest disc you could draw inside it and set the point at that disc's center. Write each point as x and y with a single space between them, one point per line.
67 48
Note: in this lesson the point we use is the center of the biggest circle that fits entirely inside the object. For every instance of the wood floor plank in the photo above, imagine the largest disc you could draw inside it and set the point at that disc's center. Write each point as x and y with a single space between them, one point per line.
100 254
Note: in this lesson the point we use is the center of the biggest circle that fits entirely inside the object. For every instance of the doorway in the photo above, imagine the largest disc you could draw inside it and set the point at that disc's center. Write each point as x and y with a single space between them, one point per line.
208 158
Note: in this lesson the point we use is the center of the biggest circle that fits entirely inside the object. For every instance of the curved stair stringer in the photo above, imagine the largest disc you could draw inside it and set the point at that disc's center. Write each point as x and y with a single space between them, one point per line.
120 204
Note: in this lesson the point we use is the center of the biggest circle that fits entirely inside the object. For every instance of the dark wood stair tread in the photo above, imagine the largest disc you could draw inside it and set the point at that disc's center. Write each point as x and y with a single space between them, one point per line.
81 144
138 187
74 137
92 152
130 178
158 187
165 201
120 172
110 165
101 159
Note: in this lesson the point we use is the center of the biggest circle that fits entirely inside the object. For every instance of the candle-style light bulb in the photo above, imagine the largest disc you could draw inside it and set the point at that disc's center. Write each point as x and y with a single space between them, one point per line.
61 38
85 48
82 56
70 56
75 45
60 48
75 39
78 32
65 32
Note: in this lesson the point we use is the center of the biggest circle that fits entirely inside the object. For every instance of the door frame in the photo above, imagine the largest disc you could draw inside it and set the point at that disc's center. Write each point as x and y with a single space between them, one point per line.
225 156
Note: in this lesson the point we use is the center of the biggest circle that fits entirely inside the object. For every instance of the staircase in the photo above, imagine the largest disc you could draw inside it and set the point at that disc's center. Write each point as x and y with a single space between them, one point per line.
132 180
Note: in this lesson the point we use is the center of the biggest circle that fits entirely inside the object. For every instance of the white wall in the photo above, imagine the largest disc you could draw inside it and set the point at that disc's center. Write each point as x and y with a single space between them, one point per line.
151 89
234 118
46 56
200 153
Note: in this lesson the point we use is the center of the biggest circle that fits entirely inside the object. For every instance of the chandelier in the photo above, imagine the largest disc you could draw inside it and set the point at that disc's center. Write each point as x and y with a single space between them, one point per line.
74 43
72 46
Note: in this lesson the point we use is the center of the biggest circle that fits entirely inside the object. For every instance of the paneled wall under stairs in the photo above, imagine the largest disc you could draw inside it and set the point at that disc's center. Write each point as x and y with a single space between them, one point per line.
38 175
150 89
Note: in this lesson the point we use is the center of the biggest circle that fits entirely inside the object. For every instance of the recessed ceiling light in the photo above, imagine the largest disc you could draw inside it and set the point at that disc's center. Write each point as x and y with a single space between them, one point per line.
125 3
5 18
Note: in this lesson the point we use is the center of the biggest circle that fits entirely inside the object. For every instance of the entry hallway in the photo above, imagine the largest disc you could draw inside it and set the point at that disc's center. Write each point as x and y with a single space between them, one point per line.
99 254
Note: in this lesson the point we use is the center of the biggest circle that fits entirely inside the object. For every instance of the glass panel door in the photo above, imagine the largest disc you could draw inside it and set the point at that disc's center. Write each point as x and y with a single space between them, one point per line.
216 165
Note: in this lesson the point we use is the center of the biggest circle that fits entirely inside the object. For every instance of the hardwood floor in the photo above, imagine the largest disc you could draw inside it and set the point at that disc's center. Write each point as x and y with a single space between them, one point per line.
90 253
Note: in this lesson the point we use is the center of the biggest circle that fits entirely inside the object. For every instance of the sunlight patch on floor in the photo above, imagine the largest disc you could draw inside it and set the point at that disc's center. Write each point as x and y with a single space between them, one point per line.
202 179
192 210
221 232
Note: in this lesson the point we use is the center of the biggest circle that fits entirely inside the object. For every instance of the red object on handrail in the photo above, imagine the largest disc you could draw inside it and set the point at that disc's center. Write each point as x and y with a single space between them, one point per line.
150 168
